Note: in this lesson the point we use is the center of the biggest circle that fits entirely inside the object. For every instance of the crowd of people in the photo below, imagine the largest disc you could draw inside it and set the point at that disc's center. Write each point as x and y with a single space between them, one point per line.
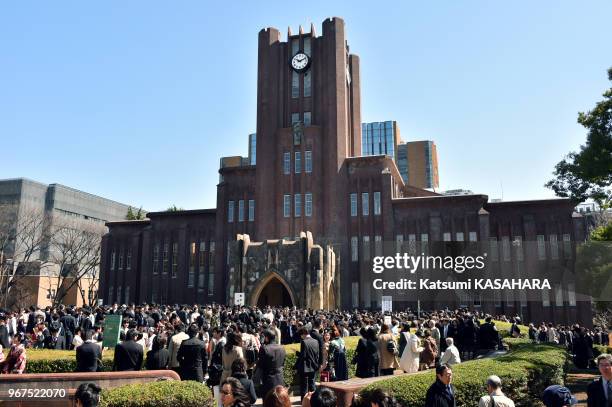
239 349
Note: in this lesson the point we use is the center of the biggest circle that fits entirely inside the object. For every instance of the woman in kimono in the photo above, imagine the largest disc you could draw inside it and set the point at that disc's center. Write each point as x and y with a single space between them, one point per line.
15 362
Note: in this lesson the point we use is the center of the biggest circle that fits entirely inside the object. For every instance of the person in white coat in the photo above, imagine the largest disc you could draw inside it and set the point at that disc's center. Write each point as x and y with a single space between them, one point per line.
409 361
451 354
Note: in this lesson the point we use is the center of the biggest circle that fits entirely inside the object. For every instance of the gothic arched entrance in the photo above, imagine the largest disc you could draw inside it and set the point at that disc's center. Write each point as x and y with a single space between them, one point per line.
272 290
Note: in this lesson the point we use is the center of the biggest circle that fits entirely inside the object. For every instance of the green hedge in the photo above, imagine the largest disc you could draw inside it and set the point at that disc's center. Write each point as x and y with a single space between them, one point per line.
525 372
169 393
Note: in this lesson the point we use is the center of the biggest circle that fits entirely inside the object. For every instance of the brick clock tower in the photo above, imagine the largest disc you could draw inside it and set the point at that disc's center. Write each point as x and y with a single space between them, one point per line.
308 122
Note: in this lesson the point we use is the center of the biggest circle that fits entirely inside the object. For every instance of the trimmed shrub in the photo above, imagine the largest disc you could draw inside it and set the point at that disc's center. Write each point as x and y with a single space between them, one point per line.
525 373
167 393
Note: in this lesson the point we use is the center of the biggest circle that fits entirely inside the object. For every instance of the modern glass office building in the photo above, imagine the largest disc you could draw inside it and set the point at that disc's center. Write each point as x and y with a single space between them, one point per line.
380 138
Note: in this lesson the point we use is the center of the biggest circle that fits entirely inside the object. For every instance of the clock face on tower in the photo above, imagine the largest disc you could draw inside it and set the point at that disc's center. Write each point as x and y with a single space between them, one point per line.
300 62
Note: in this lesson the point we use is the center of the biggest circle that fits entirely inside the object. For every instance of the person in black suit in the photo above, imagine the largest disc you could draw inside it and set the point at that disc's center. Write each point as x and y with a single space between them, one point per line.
158 357
315 333
308 362
128 354
239 371
55 340
443 328
5 340
599 392
88 355
270 363
191 356
69 324
488 336
442 392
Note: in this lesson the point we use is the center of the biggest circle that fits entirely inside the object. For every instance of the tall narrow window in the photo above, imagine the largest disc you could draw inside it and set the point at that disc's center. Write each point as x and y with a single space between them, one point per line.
211 284
192 264
298 205
365 204
112 260
558 295
308 161
230 211
307 86
295 117
494 254
241 210
424 243
446 236
571 294
412 244
307 119
298 162
202 258
399 242
353 204
366 248
459 237
120 259
541 247
165 258
156 258
295 85
110 294
174 259
506 248
567 246
473 237
554 247
287 163
377 207
518 246
286 205
308 204
251 210
128 259
378 246
354 248
119 296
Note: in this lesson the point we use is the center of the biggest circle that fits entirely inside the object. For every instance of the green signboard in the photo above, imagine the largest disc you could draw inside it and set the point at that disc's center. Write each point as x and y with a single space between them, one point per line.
112 326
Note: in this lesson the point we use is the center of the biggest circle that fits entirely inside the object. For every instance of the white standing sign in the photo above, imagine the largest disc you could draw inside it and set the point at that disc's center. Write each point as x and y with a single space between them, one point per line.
239 299
387 303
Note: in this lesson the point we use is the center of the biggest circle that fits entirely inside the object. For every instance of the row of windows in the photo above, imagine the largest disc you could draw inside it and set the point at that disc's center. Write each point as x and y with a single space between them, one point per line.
295 117
121 265
297 205
251 211
297 167
517 243
120 295
365 203
494 253
467 299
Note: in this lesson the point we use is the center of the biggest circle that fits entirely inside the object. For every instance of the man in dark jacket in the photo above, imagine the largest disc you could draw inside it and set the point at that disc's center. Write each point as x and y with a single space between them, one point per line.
270 363
315 333
55 340
128 354
488 336
599 392
69 324
5 341
192 355
442 392
88 355
308 362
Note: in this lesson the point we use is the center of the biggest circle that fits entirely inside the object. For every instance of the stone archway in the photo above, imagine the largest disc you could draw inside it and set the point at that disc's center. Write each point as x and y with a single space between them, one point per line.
272 290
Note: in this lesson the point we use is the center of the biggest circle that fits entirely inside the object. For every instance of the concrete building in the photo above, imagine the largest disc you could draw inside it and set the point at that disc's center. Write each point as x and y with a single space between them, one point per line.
27 208
311 212
417 162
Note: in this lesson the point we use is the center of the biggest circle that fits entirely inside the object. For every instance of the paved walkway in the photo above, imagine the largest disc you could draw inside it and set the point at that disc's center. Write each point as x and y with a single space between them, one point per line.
295 401
577 383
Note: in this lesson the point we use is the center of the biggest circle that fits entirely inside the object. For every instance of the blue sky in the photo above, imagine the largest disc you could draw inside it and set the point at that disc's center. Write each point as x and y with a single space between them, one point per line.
136 101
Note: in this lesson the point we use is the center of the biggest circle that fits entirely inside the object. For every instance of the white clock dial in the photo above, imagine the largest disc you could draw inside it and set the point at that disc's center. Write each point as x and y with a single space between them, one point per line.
300 61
